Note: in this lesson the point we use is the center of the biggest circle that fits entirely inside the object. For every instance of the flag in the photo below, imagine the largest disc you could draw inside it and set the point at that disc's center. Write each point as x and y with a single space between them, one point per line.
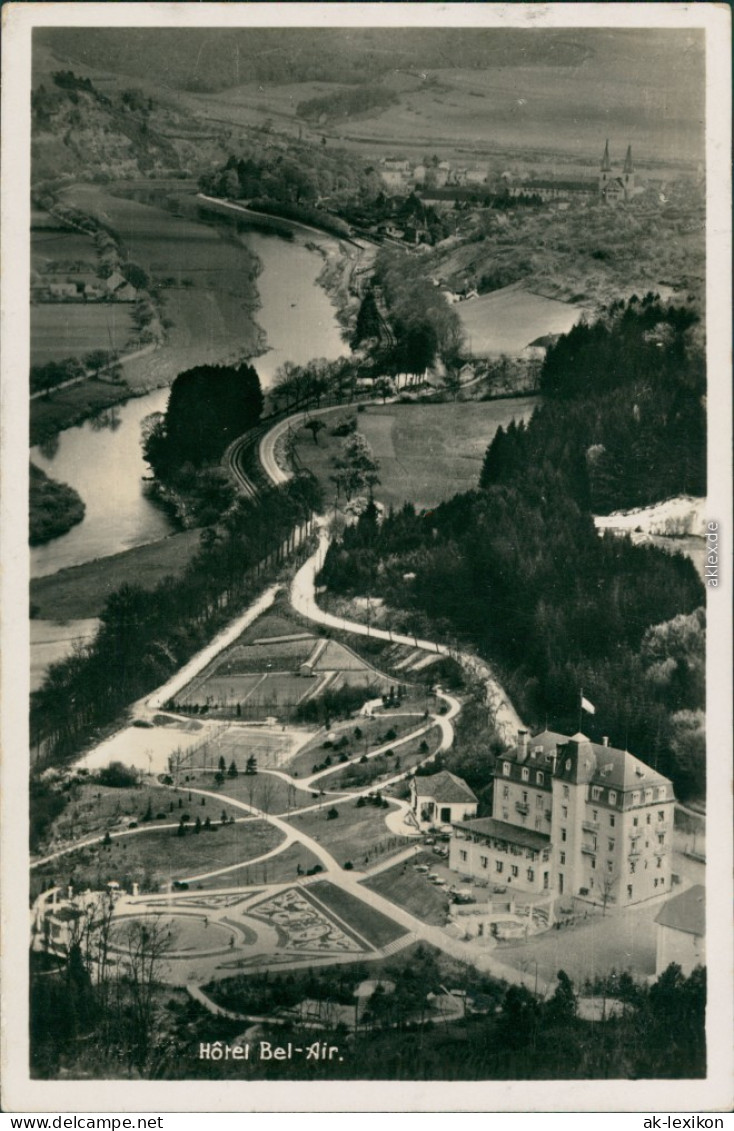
587 706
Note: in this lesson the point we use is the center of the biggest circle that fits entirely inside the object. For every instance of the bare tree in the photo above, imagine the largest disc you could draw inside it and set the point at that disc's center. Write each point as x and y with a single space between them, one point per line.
144 944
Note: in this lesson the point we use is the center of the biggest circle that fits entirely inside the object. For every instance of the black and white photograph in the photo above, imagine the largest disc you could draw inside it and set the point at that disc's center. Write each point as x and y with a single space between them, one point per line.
367 556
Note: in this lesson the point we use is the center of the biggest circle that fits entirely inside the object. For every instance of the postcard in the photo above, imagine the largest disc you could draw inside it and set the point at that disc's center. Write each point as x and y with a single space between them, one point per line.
366 587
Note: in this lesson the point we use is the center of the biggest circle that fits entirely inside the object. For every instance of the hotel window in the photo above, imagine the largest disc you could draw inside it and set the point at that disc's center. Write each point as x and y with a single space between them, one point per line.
531 875
564 810
612 820
506 769
612 797
595 814
636 797
498 865
562 858
659 862
524 797
514 870
648 819
539 801
610 865
505 814
565 791
655 882
662 879
633 866
484 861
593 861
505 791
563 834
661 838
661 814
611 845
538 822
648 796
595 792
539 777
660 794
462 854
525 774
635 822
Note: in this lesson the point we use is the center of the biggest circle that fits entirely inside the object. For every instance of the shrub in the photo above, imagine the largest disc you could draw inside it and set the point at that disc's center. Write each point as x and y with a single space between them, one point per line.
332 814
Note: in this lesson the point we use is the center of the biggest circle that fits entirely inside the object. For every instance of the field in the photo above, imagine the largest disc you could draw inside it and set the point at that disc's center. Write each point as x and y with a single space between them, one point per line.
74 329
406 756
411 891
426 452
371 924
159 856
55 248
209 283
508 320
81 591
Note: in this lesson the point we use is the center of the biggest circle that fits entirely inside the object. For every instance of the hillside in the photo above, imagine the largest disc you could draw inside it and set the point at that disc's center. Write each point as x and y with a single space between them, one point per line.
492 89
78 126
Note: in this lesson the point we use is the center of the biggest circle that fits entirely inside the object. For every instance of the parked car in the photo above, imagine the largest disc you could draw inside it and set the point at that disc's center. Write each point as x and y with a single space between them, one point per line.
421 867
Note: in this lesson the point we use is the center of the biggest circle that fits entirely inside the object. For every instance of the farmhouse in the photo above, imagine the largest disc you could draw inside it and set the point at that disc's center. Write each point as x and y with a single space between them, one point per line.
441 799
601 822
681 927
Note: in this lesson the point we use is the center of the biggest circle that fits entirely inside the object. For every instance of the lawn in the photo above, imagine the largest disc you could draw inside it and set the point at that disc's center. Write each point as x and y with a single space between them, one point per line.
74 329
427 452
371 924
351 835
263 791
153 858
360 774
372 735
410 890
96 808
275 870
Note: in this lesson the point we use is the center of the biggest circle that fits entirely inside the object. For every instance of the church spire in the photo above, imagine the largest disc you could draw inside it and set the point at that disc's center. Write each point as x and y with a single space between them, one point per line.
606 166
628 166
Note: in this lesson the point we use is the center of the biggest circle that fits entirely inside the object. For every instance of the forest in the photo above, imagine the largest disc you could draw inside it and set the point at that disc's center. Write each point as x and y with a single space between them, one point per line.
303 176
342 103
125 1022
53 507
517 570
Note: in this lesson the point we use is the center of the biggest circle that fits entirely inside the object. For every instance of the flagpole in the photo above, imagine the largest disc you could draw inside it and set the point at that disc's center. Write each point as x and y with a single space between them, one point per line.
581 700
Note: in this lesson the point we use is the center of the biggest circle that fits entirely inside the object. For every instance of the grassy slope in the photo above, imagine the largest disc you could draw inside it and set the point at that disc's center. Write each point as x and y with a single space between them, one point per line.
81 591
426 452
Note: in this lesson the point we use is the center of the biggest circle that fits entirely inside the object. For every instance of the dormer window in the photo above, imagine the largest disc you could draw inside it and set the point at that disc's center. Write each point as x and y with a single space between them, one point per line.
506 769
539 777
525 774
612 797
636 797
595 792
661 793
648 796
568 763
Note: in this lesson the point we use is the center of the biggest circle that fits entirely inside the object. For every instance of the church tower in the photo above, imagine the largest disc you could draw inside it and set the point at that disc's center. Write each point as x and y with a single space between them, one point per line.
605 170
628 174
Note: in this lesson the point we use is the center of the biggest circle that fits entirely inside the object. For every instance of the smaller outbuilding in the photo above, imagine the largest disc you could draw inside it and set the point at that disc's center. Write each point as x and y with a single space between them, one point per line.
441 799
681 931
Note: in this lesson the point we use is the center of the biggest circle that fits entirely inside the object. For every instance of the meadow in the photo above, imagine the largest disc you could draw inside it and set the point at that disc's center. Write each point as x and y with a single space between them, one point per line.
351 835
507 321
426 452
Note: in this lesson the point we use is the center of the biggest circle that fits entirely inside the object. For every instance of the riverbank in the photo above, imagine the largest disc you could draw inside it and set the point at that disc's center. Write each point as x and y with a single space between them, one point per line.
79 592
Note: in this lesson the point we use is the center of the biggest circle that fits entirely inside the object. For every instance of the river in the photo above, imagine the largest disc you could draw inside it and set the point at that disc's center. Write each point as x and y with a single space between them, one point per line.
102 458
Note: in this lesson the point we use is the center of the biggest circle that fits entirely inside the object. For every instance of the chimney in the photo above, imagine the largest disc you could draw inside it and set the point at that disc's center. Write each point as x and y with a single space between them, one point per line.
605 740
522 745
